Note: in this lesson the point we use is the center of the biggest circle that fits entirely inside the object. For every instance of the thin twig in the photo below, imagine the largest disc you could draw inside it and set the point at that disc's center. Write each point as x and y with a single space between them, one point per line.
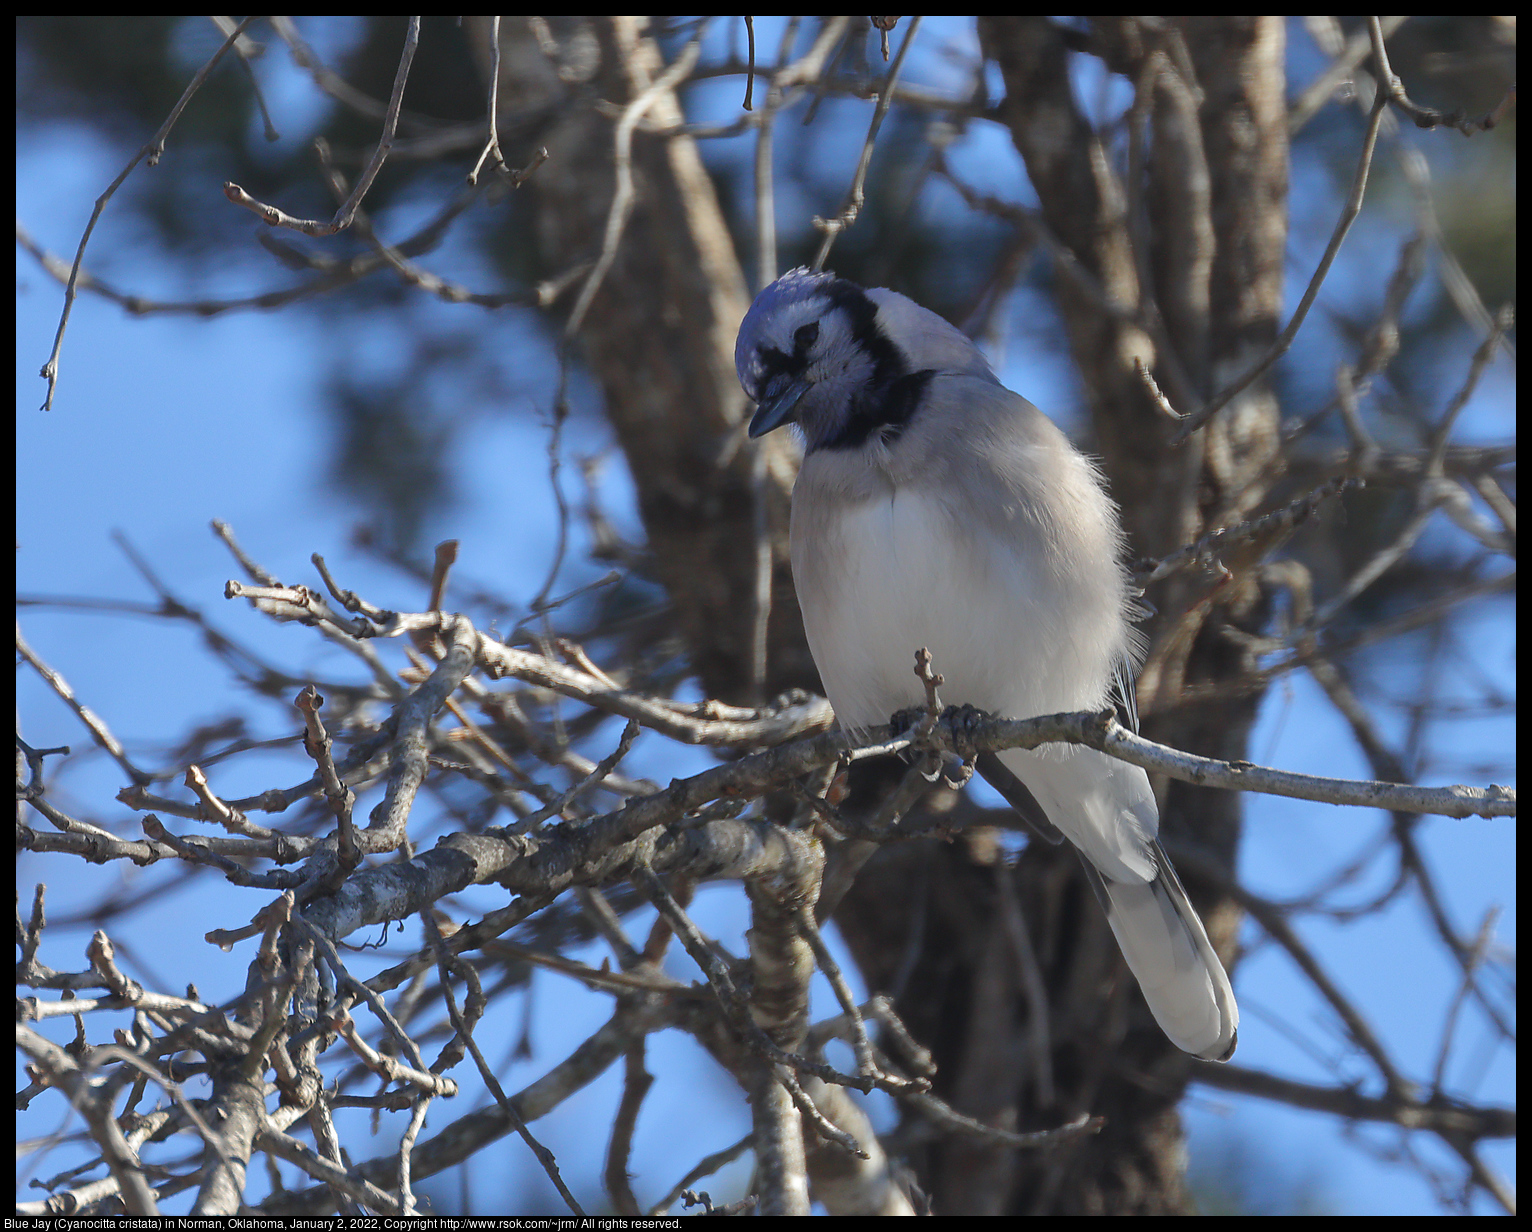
1349 212
152 152
832 227
273 217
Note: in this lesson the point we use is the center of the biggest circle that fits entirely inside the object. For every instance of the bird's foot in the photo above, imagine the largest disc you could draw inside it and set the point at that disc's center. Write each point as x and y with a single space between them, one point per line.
939 763
962 724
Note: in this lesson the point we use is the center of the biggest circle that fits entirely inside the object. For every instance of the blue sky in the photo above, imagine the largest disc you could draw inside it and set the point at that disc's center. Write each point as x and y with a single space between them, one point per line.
162 424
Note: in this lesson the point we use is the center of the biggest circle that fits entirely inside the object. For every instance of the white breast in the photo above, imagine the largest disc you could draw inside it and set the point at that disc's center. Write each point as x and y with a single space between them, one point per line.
879 578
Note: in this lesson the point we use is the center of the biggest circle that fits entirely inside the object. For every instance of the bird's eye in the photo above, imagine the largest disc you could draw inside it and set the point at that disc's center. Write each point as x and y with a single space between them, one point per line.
805 336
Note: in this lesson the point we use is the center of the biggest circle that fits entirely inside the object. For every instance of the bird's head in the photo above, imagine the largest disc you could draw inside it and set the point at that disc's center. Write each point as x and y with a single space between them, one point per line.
842 362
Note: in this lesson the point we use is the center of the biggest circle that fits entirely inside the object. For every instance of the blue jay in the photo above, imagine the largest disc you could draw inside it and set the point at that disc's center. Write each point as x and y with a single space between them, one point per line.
937 508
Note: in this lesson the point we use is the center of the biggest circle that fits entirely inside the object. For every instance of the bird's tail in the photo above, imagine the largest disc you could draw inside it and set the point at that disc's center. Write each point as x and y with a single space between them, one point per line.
1169 953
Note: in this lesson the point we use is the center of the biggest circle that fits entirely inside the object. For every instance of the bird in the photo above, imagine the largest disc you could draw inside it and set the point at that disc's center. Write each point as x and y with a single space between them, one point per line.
935 508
